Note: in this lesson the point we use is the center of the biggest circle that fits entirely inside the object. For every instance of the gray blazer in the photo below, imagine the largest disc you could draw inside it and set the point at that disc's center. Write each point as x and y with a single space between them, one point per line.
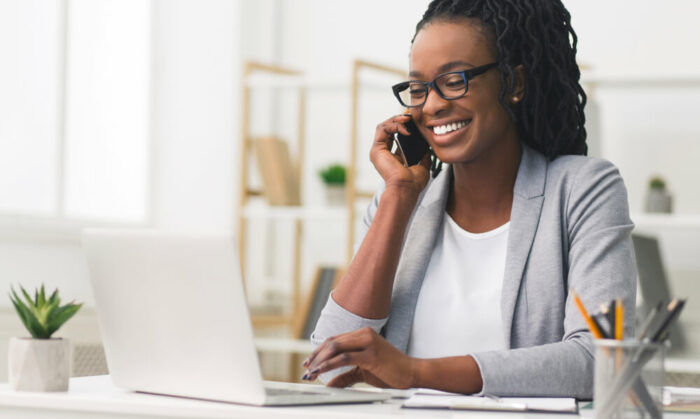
569 228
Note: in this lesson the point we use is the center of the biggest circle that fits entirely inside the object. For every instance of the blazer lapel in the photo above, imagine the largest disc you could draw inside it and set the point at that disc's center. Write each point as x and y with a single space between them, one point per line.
528 196
417 250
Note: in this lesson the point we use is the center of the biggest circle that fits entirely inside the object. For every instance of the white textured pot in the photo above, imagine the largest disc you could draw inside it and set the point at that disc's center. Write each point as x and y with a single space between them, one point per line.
335 195
659 200
39 364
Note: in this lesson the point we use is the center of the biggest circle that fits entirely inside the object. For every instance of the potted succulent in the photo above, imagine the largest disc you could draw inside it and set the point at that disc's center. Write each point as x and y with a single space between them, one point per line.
658 198
333 177
40 363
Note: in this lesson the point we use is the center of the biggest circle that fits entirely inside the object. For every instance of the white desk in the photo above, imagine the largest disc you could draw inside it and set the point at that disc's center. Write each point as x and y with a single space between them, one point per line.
96 397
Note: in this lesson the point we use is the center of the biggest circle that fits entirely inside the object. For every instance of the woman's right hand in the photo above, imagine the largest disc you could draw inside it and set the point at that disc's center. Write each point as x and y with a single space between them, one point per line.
390 165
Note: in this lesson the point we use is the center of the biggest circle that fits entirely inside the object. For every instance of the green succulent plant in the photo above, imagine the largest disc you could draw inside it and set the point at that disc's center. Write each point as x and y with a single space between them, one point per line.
41 316
333 174
657 183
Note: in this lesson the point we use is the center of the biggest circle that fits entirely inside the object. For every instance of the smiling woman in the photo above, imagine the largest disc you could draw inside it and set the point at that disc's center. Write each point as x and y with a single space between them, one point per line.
461 280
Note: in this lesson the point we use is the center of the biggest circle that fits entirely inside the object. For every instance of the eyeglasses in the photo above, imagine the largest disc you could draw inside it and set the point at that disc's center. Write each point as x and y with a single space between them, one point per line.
449 86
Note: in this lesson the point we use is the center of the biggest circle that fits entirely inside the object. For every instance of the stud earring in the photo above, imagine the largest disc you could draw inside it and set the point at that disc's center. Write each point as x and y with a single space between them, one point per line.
515 99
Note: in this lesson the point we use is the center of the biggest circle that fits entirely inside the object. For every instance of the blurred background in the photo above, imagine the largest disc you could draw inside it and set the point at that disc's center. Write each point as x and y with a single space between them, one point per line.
133 113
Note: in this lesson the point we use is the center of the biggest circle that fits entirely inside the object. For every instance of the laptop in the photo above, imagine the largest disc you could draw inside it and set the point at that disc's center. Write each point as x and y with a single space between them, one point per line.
174 320
653 284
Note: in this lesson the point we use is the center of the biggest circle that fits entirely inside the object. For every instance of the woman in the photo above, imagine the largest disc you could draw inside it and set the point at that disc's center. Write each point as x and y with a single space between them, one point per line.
461 282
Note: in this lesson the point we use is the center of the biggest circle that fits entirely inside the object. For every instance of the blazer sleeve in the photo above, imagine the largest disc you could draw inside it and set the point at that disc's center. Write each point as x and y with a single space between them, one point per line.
601 266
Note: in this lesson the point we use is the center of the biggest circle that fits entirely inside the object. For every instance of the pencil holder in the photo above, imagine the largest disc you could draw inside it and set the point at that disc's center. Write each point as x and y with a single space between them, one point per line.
629 379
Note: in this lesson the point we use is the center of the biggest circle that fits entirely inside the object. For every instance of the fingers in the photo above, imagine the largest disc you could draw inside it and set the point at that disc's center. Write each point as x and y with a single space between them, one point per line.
380 154
341 360
387 129
313 355
347 342
402 118
393 128
322 352
346 380
425 161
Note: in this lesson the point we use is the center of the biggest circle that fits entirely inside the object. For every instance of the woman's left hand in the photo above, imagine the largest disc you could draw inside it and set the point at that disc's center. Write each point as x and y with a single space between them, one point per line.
376 361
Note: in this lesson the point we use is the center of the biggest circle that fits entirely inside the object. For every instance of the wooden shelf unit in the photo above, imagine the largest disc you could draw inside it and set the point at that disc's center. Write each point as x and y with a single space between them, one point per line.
352 194
246 192
257 75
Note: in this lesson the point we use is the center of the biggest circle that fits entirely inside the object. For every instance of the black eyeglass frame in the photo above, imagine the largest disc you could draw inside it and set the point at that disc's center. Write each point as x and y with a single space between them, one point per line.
466 76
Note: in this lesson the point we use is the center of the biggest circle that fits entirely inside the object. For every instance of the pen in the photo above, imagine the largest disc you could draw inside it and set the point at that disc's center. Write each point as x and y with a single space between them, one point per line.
599 325
604 321
591 325
674 308
611 317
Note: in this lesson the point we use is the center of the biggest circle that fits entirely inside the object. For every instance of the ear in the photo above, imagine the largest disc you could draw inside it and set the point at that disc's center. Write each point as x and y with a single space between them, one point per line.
516 95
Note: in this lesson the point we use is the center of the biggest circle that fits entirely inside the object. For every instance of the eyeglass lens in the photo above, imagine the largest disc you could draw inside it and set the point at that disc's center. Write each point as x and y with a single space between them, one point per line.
449 86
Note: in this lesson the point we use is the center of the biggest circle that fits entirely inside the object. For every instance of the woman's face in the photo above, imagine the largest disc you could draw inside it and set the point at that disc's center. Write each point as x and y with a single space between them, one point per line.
454 46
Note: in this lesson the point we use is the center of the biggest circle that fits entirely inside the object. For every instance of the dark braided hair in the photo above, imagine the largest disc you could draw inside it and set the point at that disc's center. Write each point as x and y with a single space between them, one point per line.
536 34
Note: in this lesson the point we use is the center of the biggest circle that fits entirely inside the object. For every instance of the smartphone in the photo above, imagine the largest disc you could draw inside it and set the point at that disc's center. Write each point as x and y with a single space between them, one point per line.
412 147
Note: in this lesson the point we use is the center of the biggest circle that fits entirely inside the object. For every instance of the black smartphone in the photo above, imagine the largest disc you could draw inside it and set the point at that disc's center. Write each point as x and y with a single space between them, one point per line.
412 147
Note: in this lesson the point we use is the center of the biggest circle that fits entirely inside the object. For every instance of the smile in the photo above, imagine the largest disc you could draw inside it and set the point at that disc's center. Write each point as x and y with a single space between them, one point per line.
447 128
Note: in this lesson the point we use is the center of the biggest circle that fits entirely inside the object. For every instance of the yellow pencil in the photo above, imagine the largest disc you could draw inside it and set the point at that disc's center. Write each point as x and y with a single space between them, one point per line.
619 319
591 325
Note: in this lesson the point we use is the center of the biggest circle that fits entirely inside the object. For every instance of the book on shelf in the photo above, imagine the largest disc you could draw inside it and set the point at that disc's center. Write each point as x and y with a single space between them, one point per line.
280 183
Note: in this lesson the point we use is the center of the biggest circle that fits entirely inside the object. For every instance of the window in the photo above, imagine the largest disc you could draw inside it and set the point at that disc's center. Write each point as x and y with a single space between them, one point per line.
75 110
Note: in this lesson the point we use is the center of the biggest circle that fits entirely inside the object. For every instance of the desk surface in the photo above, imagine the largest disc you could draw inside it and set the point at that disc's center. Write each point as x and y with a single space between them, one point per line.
96 397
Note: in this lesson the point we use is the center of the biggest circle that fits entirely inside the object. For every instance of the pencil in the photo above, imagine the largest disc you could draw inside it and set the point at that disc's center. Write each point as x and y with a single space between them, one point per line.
673 310
619 319
599 325
591 326
649 320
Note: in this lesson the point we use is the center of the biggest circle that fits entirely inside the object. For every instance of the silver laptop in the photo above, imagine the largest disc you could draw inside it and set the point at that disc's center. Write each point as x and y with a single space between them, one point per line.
653 284
174 320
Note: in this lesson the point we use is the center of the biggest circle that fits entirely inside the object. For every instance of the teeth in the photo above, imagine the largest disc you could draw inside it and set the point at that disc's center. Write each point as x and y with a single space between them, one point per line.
444 129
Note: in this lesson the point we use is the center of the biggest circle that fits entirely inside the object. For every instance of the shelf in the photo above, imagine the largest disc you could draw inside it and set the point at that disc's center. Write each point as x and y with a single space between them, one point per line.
317 212
289 82
293 346
293 212
643 221
641 80
682 365
271 320
607 80
54 229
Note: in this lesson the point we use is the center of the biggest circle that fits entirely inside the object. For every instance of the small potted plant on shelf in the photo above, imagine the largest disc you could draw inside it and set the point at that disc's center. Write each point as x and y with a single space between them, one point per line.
658 198
40 363
333 177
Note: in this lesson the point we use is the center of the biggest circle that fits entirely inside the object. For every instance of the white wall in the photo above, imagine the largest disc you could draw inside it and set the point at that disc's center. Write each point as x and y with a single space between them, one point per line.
643 37
196 87
646 130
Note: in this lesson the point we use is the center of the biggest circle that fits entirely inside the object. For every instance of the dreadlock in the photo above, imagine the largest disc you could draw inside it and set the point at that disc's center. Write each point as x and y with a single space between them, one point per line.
538 35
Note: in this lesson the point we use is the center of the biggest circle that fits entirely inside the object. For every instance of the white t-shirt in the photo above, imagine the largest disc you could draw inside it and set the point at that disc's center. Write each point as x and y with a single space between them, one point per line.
458 311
